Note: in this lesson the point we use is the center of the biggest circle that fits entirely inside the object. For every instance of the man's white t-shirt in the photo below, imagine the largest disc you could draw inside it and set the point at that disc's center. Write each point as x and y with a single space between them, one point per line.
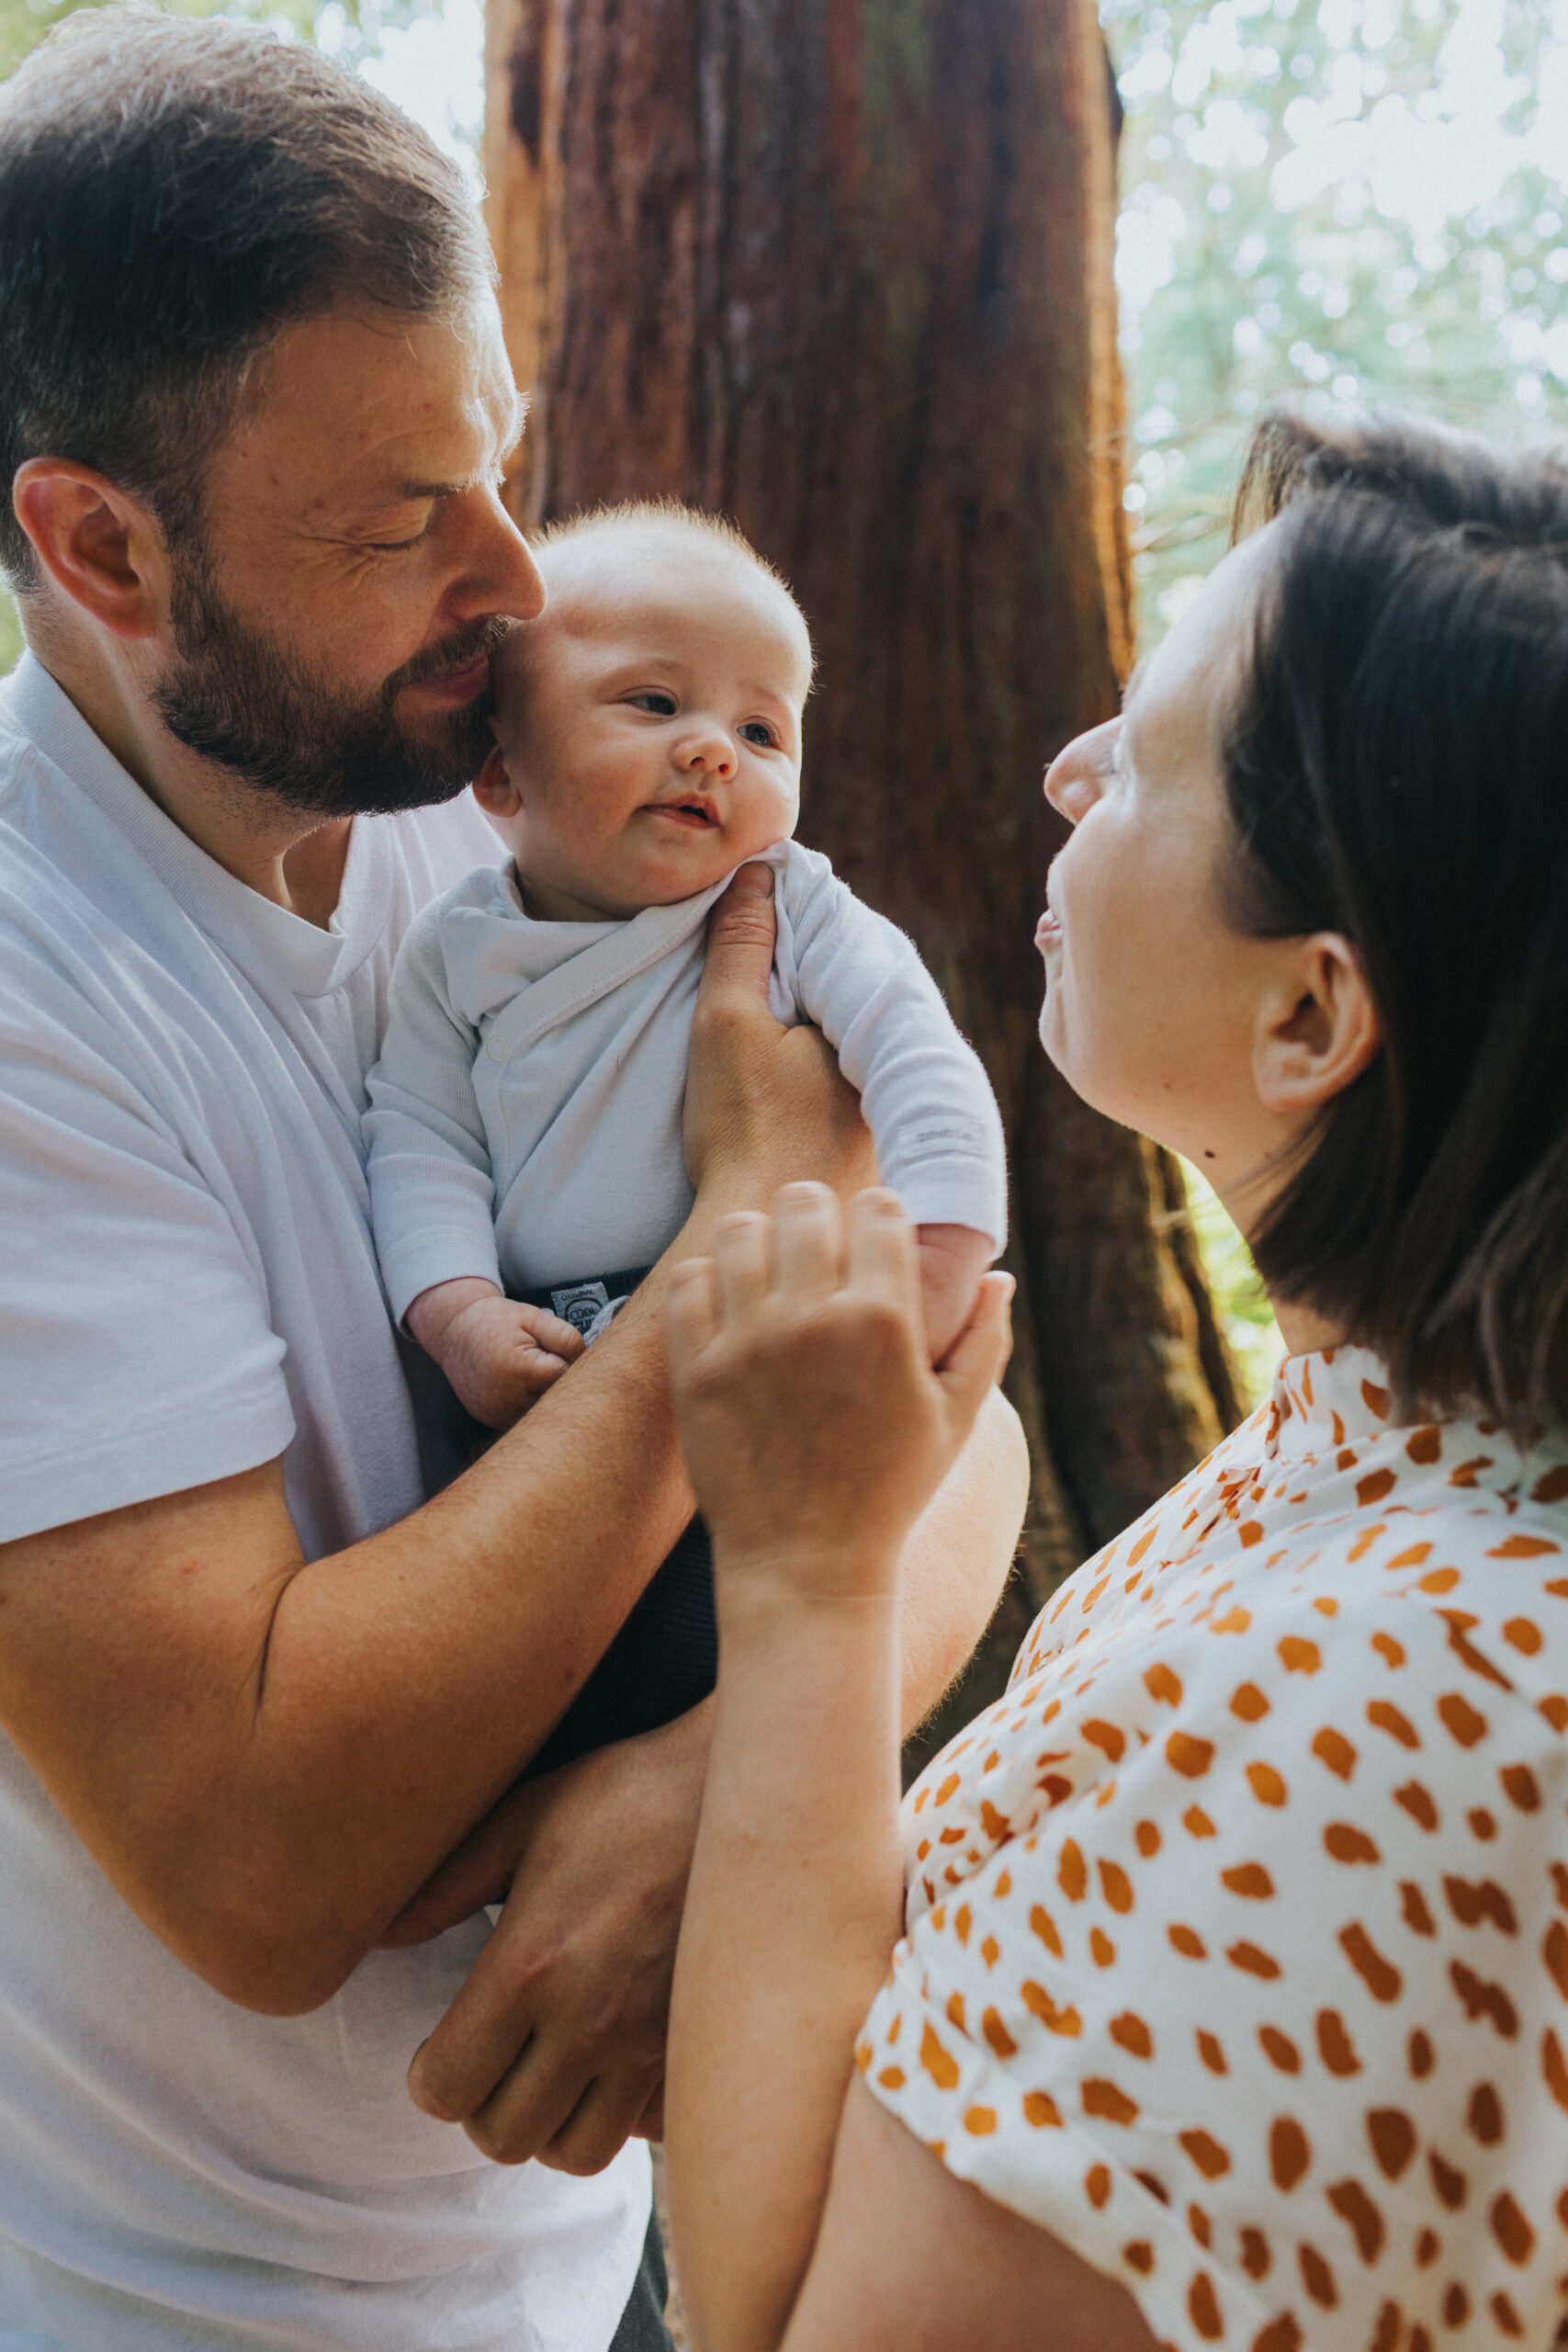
189 1289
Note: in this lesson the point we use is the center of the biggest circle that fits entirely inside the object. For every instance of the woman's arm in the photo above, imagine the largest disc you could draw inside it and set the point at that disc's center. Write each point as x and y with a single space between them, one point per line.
814 1431
910 2259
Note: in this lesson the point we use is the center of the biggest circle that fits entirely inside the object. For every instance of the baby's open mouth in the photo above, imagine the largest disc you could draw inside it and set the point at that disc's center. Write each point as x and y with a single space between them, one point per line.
695 811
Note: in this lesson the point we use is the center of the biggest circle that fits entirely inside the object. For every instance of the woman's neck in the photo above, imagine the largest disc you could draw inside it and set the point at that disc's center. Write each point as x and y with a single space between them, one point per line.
1305 1332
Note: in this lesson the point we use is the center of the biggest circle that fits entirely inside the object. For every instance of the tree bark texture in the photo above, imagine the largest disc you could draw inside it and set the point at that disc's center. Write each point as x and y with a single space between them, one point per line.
841 270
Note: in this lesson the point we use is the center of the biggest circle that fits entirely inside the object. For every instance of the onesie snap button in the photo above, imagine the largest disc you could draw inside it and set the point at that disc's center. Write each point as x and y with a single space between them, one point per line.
497 1051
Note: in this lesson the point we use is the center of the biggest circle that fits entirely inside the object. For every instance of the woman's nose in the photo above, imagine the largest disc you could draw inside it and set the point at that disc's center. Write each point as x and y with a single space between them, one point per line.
1076 778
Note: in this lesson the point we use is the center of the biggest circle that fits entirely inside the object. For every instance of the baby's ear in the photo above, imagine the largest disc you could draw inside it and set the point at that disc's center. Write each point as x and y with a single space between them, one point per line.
493 788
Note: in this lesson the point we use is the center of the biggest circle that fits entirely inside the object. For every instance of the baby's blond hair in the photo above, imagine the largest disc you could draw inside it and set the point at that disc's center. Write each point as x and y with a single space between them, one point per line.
667 513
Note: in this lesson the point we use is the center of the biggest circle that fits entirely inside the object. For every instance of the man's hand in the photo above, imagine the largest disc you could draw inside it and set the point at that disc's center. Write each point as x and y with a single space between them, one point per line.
762 1102
555 2046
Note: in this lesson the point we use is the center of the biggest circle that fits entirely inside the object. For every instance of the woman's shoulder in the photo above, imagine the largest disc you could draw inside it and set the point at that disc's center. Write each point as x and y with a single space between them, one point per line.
1324 1571
1249 1899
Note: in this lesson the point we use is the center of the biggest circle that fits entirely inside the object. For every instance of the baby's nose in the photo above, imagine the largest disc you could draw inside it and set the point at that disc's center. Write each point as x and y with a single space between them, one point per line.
712 750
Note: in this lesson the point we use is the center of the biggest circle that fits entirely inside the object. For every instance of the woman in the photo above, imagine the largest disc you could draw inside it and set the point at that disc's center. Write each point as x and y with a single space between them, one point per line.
1232 2003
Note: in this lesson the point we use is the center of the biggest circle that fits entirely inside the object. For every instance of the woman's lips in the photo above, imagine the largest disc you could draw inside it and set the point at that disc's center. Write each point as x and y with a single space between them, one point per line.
1047 928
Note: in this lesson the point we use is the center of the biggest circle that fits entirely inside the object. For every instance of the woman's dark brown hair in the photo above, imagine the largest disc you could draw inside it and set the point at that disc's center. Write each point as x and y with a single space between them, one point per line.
1397 771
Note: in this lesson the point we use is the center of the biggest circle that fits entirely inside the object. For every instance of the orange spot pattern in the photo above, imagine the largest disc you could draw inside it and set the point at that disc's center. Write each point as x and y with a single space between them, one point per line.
1264 1899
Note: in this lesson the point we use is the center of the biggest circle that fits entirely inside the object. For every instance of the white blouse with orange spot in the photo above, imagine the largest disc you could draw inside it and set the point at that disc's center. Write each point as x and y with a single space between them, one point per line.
1237 1949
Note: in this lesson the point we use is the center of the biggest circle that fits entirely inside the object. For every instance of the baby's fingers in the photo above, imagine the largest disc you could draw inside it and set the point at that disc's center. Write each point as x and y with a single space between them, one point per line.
553 1333
978 1356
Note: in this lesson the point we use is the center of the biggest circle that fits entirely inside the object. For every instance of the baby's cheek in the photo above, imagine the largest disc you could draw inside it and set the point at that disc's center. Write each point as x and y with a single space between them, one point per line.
766 813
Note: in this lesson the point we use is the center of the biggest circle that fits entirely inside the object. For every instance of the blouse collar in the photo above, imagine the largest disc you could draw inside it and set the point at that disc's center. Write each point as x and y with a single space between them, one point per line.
1334 1398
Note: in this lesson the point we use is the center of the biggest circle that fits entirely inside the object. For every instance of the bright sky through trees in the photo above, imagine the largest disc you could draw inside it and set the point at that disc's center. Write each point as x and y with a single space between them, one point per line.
1358 197
431 66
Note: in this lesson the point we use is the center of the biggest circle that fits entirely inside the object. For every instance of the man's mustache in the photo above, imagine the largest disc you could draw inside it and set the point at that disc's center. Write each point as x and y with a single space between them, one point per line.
480 639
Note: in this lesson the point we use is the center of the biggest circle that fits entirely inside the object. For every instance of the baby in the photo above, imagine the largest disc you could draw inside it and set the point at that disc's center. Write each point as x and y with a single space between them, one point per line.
524 1128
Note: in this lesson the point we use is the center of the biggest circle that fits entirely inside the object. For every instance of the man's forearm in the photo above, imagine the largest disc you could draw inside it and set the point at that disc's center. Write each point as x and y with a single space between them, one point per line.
267 1758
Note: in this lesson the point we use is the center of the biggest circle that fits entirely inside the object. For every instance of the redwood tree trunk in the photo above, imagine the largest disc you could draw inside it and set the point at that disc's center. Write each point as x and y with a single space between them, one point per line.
841 270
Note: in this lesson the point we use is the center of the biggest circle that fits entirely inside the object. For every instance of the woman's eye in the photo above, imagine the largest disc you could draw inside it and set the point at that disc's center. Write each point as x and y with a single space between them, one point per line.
660 706
757 730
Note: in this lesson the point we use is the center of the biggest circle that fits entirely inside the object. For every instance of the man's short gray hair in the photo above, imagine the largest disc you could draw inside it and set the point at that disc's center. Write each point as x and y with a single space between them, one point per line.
172 194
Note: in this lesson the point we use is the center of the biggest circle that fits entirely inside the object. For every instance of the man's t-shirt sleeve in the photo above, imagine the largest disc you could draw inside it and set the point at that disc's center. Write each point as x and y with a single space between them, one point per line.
139 1356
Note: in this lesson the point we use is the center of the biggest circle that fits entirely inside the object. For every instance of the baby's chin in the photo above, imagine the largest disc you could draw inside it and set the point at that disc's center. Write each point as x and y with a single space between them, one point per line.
665 882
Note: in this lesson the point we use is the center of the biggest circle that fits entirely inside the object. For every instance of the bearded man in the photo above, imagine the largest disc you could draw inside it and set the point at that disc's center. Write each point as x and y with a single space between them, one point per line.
266 1684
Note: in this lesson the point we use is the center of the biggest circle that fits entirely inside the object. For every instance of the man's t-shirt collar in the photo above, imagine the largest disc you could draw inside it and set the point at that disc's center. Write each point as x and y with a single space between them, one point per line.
270 945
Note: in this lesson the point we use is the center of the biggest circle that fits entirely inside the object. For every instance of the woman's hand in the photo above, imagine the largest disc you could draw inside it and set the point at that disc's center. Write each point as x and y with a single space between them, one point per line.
814 1428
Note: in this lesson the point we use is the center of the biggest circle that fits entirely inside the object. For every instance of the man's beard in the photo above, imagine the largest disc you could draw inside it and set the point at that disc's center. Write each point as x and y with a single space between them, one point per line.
238 699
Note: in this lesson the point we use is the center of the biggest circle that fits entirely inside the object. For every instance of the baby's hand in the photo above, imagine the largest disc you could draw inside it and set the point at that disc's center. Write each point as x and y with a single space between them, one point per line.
499 1355
952 1259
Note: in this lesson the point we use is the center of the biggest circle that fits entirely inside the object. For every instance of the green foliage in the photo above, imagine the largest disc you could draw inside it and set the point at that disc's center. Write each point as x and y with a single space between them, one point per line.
1355 198
1240 1300
355 24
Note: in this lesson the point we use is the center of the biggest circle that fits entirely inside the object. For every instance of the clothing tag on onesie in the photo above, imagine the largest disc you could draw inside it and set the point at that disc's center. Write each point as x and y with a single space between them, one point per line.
580 1305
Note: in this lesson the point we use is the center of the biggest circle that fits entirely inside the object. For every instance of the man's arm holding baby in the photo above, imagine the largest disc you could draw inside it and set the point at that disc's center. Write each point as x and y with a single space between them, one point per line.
267 1758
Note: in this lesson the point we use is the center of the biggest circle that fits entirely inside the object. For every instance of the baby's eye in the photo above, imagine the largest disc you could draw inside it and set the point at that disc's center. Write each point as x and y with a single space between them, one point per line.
660 706
757 730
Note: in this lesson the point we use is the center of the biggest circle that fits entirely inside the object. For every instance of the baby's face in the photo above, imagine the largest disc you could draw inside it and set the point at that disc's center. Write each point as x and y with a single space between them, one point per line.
648 723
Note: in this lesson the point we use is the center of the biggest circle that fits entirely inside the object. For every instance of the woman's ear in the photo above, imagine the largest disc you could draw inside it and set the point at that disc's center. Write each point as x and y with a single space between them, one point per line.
99 546
493 788
1318 1029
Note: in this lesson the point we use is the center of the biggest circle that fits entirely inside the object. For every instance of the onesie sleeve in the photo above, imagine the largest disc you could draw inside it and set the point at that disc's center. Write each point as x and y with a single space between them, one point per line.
923 1090
431 1198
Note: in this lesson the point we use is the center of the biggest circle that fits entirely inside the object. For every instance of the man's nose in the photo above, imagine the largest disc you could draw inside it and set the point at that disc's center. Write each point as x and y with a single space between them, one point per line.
1076 778
500 574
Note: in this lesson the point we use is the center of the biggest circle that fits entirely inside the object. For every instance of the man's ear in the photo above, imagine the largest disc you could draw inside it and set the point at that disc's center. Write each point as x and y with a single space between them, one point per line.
98 546
1318 1029
493 788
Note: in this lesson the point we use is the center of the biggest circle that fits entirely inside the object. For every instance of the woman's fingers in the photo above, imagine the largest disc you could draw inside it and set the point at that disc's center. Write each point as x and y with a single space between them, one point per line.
691 1312
808 1243
743 1259
883 1261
